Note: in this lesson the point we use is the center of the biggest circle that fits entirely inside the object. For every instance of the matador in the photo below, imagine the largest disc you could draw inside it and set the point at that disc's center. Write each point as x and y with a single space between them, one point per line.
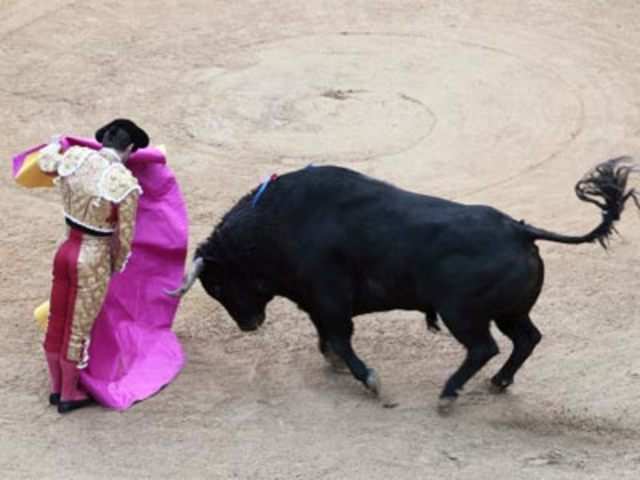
100 198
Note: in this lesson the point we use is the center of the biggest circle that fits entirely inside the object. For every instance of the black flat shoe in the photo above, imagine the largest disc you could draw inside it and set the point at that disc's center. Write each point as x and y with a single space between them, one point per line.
71 405
54 399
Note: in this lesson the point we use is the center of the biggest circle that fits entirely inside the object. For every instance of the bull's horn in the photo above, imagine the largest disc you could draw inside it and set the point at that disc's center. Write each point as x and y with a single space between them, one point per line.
189 279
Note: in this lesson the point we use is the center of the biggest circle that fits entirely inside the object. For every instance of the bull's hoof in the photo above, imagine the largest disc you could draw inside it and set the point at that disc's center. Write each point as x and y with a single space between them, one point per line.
336 363
446 405
373 382
498 387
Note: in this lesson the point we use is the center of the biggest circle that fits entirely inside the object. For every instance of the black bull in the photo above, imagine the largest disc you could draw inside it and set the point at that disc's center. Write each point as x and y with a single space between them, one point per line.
340 244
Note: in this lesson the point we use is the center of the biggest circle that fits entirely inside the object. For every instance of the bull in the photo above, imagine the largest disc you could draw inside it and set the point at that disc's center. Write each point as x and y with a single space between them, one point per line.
341 244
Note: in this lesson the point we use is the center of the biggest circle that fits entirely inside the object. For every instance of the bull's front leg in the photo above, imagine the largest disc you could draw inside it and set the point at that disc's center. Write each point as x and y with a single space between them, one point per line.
335 339
335 362
331 313
341 345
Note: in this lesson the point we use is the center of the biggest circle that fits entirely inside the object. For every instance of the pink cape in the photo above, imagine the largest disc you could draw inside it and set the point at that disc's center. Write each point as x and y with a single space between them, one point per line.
133 351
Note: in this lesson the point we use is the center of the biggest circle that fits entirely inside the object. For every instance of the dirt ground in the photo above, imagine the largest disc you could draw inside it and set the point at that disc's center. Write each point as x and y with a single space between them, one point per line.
500 102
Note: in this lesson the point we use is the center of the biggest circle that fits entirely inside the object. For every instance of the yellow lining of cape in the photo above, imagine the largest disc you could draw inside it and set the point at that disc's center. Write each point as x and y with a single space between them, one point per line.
30 175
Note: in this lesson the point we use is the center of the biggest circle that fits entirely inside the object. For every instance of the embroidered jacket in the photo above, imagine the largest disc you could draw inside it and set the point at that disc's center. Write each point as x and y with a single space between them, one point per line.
98 192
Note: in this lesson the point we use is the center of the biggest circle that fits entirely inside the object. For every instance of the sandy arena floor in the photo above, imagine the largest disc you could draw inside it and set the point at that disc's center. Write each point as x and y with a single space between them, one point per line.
500 102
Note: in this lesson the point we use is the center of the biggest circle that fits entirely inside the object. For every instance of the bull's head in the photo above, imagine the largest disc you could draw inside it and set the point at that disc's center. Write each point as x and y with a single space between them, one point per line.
244 298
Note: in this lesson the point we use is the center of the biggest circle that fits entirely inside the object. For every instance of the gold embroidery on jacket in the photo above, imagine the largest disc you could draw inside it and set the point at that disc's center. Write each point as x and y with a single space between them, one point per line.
126 224
48 162
118 182
94 272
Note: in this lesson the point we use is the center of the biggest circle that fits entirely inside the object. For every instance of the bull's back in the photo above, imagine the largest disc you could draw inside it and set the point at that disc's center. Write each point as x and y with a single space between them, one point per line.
364 217
399 248
344 196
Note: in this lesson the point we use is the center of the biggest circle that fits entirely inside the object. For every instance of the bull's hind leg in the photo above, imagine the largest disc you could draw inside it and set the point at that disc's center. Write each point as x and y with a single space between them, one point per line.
481 347
525 336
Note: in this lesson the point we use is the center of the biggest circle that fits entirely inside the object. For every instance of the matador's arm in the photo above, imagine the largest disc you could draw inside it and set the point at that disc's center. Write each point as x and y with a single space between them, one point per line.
50 158
127 210
121 188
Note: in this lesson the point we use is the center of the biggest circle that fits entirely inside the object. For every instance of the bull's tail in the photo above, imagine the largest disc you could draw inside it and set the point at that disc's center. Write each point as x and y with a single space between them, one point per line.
606 187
